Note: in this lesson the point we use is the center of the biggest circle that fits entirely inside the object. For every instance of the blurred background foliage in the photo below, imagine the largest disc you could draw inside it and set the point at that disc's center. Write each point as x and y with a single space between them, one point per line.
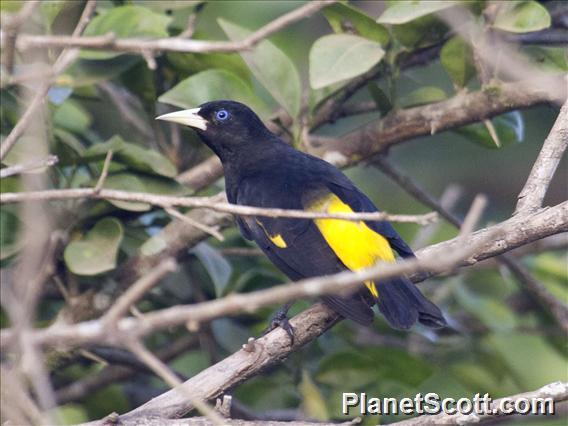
503 343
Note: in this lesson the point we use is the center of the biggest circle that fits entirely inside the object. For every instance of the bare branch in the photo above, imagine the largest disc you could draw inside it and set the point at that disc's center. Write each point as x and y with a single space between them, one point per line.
536 289
192 222
558 309
11 28
138 290
512 233
51 160
426 120
171 44
163 371
104 173
114 373
65 59
472 218
532 195
165 201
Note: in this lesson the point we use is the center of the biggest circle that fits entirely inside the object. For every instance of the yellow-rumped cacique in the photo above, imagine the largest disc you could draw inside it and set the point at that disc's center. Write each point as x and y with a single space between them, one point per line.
262 170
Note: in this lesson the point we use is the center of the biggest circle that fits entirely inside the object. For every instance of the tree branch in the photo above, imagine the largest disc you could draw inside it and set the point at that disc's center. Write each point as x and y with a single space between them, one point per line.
66 57
170 44
166 201
532 194
400 126
512 233
420 121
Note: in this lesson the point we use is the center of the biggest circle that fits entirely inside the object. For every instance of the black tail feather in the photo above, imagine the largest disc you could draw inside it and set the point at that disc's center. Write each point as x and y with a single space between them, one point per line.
353 307
403 304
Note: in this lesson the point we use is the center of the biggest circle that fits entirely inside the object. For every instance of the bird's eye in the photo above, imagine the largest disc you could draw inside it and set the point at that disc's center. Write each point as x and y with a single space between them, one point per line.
222 115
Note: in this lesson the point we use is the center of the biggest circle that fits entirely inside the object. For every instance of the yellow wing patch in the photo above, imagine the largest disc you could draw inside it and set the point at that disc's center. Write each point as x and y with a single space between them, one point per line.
356 245
277 239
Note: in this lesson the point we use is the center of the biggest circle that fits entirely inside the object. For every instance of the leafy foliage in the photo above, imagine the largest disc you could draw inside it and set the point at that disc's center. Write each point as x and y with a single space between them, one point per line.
107 101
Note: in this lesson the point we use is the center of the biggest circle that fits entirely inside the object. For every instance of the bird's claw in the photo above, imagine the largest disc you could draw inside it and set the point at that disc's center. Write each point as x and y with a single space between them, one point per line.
281 320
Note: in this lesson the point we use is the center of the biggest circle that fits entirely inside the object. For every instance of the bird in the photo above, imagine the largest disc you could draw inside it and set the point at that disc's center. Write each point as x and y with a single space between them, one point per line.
262 170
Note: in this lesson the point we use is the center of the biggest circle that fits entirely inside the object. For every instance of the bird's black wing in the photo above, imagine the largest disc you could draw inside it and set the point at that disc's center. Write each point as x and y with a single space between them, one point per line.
296 246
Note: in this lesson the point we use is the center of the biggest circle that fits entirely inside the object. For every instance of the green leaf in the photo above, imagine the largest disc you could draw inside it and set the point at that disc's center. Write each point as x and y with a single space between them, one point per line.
422 32
87 72
520 350
312 399
71 116
339 57
139 182
192 63
72 414
551 59
272 68
216 265
213 84
342 17
97 251
422 96
521 16
134 156
509 128
229 334
50 10
167 5
405 11
125 22
456 57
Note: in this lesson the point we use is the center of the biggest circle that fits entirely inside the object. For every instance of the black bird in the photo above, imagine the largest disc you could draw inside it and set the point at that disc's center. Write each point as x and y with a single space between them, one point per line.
262 170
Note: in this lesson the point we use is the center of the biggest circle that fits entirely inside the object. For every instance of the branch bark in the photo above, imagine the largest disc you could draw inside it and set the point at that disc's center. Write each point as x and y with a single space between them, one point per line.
420 121
532 194
171 44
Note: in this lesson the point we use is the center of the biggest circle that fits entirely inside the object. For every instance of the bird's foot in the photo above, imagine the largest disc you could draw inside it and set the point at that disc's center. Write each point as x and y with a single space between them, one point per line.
280 319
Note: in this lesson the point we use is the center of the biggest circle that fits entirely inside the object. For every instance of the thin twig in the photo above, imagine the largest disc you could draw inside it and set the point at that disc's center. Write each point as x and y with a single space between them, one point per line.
65 59
538 291
104 172
165 201
163 371
138 290
474 214
207 229
17 169
558 309
11 28
171 44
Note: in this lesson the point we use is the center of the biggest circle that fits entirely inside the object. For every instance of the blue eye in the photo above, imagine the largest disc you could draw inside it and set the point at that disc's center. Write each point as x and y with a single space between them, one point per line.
222 115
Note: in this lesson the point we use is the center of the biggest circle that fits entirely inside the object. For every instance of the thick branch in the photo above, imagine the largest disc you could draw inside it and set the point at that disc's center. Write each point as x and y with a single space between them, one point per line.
532 195
420 121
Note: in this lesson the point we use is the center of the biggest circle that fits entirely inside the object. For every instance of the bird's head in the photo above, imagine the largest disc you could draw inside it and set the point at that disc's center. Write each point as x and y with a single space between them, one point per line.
225 126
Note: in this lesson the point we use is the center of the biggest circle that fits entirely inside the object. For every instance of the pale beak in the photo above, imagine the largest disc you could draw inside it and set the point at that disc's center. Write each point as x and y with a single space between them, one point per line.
187 117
